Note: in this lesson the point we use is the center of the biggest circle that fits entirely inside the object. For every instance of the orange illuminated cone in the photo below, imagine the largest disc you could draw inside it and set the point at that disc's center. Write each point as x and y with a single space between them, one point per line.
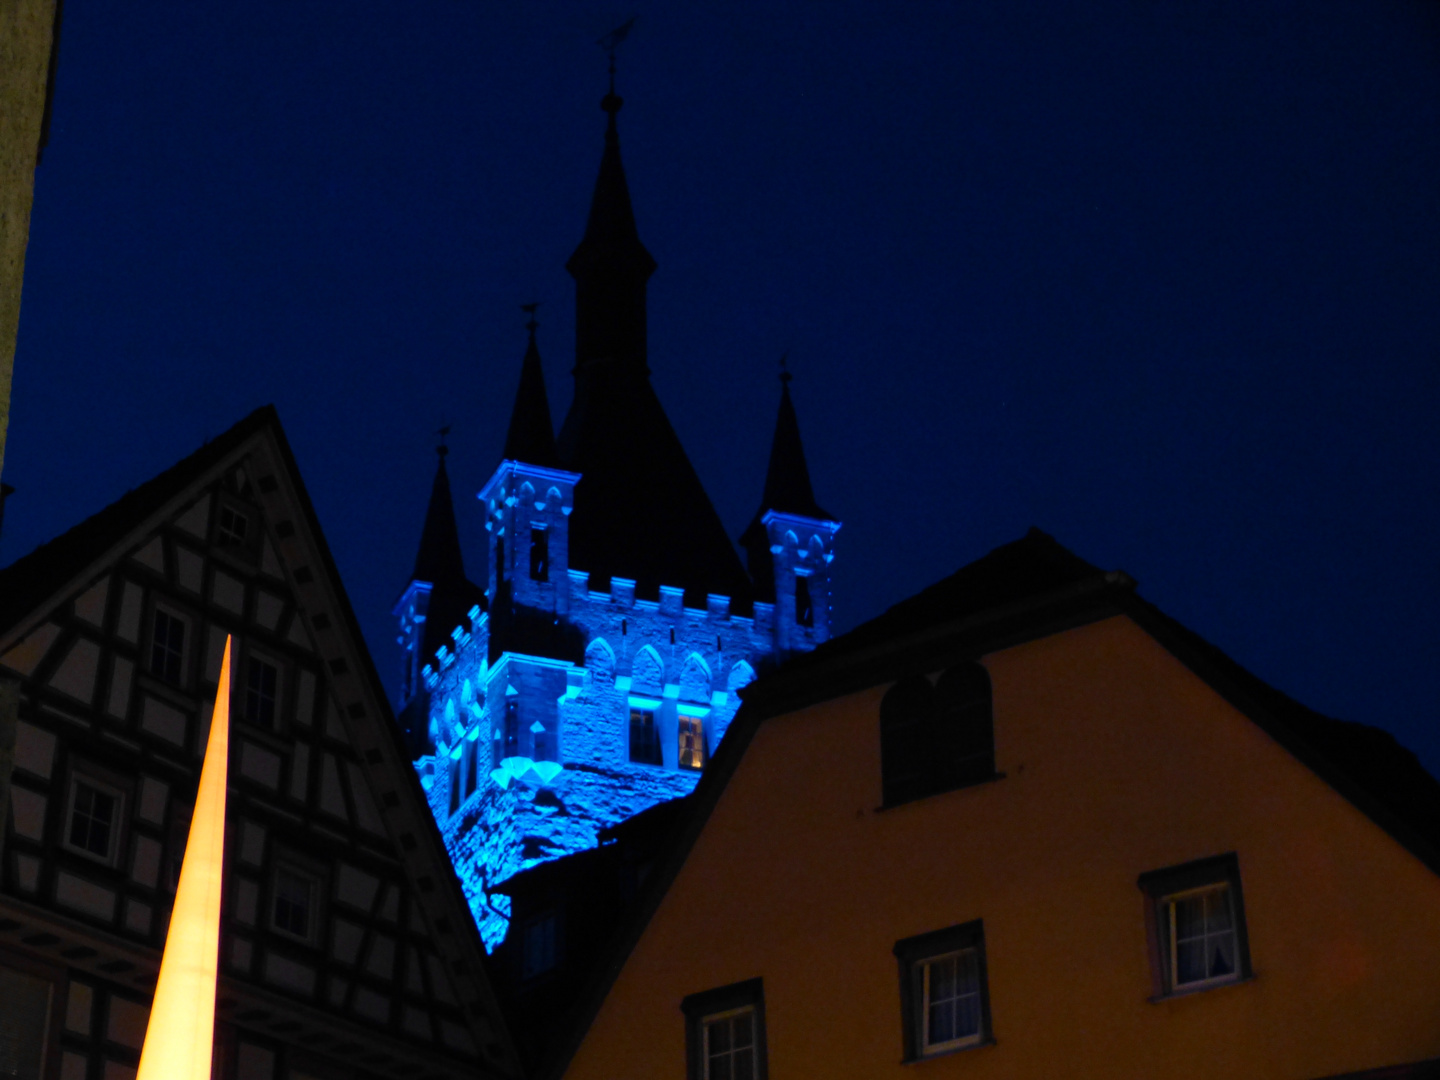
182 1019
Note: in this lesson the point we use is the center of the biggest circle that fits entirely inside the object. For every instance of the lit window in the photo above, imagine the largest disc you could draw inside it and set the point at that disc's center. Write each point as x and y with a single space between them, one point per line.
692 743
94 819
1198 924
945 1002
262 681
539 555
294 911
234 528
644 738
540 945
725 1033
804 608
167 646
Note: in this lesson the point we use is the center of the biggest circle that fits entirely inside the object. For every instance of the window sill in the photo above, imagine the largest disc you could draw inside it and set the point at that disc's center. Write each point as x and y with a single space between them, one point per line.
989 1040
1191 991
943 791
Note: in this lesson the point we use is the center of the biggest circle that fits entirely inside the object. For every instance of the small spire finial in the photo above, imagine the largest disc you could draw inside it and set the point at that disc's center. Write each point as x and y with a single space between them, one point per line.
612 101
443 433
785 375
532 324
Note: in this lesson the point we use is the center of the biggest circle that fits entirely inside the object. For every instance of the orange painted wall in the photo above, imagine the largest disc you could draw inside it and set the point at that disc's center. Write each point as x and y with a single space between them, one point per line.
1118 760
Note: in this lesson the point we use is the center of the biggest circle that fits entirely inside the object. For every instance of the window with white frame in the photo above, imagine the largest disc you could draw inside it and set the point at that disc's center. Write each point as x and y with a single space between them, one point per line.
945 999
262 692
233 528
1196 920
92 825
294 909
167 646
725 1033
644 733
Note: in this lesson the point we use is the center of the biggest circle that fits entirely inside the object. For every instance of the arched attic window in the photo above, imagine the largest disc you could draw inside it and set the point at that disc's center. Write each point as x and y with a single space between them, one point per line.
936 738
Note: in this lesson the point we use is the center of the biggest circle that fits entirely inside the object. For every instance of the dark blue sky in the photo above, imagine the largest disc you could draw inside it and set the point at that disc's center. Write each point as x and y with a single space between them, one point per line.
1160 278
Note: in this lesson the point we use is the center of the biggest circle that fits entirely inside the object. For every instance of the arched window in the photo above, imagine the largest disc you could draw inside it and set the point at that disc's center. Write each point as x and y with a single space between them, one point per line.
600 661
695 679
933 739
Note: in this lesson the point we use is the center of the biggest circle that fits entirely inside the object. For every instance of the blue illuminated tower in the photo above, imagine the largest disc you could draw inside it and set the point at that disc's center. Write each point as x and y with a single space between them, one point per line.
599 670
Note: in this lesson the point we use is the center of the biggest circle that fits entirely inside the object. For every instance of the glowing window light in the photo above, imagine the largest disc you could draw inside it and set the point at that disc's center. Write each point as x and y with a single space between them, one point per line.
179 1038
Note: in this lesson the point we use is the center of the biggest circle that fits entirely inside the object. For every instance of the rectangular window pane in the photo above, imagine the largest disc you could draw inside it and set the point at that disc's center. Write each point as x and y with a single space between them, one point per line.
692 743
644 737
261 689
1203 945
292 903
952 999
730 1047
167 646
92 820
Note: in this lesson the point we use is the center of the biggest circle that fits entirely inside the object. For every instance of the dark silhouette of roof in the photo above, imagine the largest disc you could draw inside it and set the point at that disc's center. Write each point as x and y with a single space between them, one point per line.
531 437
29 580
640 509
787 489
440 563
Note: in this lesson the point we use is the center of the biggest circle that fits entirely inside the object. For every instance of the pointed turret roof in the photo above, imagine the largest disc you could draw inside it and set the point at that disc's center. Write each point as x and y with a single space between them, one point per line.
531 437
640 509
787 489
439 559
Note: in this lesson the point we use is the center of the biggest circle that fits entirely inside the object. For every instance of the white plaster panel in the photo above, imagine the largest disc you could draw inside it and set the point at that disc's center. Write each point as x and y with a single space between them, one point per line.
196 520
153 793
365 808
27 872
115 1070
336 991
228 592
456 1037
34 749
164 721
305 697
371 1005
126 1023
355 887
332 799
31 649
137 916
76 674
252 843
416 1022
297 634
191 569
132 602
268 609
381 958
269 562
390 904
241 953
259 764
334 724
414 981
152 554
247 900
300 771
440 980
254 1063
27 811
79 1004
85 896
118 702
74 1066
289 974
345 941
145 862
90 605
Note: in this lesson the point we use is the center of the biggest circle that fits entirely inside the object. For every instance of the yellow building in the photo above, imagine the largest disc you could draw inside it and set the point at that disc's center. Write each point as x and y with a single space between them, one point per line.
1025 825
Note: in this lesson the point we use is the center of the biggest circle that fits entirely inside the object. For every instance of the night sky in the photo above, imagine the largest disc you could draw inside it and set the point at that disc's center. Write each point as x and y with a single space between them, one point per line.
1162 279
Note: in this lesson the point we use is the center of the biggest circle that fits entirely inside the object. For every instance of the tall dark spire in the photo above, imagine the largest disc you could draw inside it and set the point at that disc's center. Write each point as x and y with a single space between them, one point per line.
439 560
610 268
787 490
531 437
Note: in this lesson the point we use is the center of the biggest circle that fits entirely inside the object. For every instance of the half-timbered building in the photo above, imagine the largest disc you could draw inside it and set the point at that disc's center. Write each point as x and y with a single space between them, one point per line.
347 949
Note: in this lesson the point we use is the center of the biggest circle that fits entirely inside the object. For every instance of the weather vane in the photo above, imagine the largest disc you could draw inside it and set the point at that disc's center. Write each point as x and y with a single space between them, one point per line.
443 432
610 42
785 375
532 323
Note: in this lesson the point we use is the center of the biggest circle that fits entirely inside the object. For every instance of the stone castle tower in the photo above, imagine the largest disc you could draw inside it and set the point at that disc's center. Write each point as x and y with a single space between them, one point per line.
597 670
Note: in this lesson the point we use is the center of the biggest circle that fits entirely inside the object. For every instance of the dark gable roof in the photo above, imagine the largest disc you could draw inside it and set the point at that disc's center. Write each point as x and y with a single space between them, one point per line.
1019 592
30 580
